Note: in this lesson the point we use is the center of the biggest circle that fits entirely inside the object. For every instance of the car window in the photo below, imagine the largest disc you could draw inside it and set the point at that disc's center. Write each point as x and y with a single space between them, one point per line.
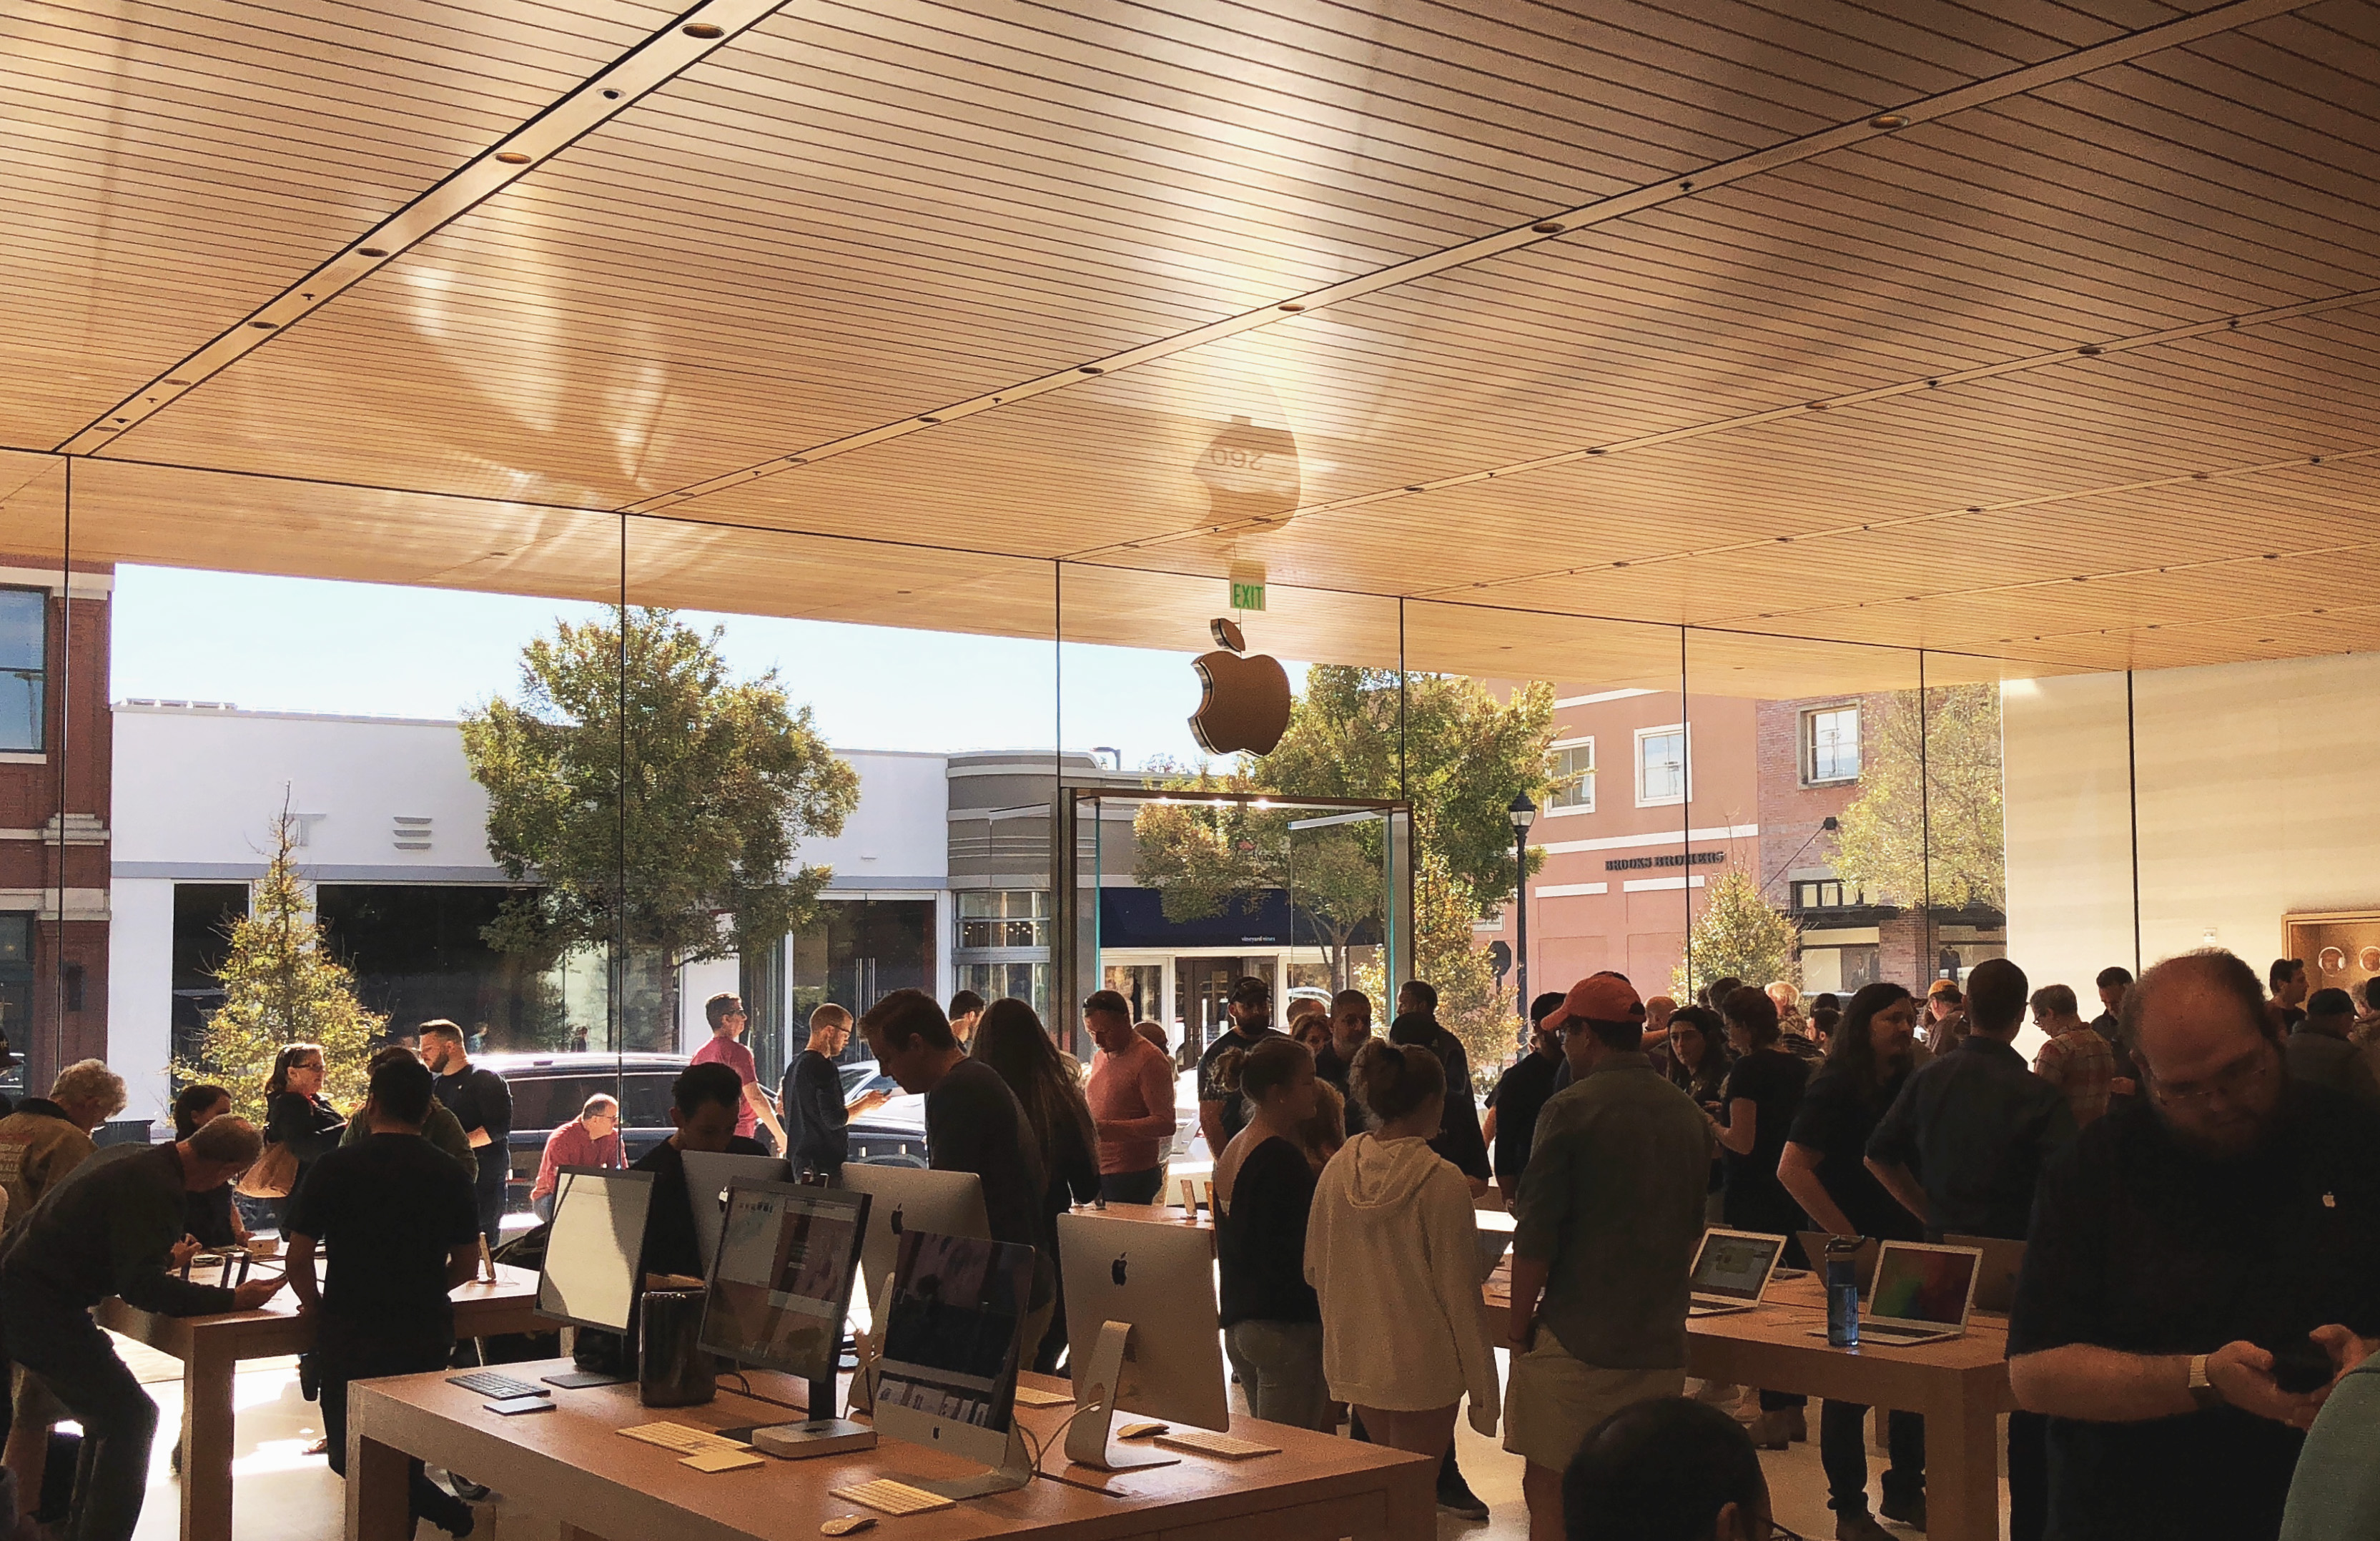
648 1098
551 1101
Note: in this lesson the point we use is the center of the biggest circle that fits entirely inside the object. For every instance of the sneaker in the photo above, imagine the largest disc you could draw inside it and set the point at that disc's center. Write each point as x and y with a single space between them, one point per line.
1860 1526
1455 1496
1906 1510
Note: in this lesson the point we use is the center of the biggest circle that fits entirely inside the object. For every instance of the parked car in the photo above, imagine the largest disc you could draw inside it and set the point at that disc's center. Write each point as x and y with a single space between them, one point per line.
549 1090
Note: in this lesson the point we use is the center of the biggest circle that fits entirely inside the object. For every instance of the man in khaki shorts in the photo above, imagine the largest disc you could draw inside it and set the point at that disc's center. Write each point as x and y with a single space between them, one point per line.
1609 1214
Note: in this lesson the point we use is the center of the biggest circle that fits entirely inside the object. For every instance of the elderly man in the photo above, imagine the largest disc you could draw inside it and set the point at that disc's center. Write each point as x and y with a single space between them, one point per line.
2076 1061
2231 1212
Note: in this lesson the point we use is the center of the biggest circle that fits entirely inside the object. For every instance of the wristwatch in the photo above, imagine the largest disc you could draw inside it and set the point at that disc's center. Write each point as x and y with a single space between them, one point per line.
2203 1390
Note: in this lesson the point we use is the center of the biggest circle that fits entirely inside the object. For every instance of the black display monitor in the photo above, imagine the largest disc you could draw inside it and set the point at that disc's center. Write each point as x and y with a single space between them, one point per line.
781 1281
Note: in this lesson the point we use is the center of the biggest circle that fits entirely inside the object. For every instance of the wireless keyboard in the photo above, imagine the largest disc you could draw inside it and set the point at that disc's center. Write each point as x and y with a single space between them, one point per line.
892 1497
1224 1445
487 1383
683 1439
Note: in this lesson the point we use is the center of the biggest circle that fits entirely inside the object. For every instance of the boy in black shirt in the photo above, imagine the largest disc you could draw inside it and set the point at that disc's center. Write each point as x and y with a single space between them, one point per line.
818 1120
401 1226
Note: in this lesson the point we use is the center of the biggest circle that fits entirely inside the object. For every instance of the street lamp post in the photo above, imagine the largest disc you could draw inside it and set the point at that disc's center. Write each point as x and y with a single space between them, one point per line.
1523 814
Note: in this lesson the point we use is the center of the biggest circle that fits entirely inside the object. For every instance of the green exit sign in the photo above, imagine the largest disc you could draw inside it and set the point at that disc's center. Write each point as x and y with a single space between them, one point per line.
1247 594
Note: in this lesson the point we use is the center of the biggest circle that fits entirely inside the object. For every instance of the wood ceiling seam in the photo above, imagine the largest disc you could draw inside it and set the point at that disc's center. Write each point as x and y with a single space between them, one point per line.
465 30
2235 13
2307 71
195 110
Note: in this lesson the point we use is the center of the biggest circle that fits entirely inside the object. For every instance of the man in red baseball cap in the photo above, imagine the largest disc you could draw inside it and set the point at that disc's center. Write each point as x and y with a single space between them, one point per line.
1610 1215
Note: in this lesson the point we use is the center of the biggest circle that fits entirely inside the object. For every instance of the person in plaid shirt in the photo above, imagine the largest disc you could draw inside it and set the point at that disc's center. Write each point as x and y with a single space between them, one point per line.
2076 1059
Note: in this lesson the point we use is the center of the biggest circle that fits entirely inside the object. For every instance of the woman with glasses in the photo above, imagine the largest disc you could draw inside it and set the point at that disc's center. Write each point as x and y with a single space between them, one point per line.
298 1117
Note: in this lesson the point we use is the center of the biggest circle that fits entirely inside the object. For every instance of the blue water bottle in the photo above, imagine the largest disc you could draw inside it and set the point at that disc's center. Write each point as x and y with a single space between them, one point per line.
1843 1292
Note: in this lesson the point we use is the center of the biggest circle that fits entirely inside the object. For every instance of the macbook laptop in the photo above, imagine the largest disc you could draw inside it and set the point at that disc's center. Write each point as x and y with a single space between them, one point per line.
1995 1283
1814 1247
1921 1295
1731 1270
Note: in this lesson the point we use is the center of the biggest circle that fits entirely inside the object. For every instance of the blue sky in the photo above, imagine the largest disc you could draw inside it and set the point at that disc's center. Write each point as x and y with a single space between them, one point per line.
279 644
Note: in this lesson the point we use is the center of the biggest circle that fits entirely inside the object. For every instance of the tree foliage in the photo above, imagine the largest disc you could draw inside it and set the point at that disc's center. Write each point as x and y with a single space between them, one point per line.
281 985
657 803
1740 934
1908 839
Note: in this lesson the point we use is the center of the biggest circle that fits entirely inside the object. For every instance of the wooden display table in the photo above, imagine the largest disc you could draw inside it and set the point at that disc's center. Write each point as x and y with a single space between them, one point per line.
1961 1386
572 1465
212 1347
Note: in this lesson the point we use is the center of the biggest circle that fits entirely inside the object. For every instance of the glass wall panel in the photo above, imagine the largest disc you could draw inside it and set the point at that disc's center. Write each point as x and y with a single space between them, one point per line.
53 781
838 782
1808 846
1181 683
1586 717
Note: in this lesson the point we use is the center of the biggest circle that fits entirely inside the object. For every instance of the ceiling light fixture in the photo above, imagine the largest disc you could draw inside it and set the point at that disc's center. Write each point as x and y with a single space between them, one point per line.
924 419
374 252
609 95
1547 228
1887 120
512 157
177 383
702 30
2090 350
1091 369
1290 304
264 325
1974 508
1599 450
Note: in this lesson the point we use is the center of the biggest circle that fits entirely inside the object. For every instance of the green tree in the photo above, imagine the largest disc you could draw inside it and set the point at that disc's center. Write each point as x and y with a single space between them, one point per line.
693 858
1738 933
1946 843
281 985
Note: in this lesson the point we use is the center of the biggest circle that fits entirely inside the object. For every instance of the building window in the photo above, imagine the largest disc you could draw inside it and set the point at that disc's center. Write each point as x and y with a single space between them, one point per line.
1004 917
24 668
1573 788
1662 772
1826 893
1831 744
1028 982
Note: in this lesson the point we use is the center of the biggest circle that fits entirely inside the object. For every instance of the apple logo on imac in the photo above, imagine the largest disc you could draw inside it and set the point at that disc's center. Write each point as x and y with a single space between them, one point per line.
1244 704
1115 1270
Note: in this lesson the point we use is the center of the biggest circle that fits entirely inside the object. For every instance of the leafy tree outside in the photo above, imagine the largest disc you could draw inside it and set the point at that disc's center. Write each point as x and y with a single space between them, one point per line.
1939 838
658 804
1740 934
281 985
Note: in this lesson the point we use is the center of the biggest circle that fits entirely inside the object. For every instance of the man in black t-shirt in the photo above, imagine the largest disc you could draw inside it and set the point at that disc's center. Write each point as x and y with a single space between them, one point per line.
2229 1213
1222 1113
706 1100
482 1104
1350 1029
973 1123
1521 1093
401 1227
818 1120
1458 1140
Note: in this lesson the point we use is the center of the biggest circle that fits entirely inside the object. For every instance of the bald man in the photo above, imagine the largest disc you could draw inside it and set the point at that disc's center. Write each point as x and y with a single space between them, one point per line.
2229 1211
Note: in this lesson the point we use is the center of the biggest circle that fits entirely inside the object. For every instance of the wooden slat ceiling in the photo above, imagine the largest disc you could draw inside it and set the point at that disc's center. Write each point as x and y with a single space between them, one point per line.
1584 324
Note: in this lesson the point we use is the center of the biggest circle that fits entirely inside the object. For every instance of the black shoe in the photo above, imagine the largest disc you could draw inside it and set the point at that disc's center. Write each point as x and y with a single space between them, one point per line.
1908 1510
465 1489
1455 1496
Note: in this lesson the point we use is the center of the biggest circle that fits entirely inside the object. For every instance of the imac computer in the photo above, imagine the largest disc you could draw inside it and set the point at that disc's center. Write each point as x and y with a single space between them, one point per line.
1141 1317
708 1173
780 1288
951 1339
594 1256
911 1198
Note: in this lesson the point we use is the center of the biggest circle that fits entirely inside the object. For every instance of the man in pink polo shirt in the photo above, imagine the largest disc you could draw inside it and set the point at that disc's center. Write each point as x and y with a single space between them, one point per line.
726 1048
1131 1093
592 1139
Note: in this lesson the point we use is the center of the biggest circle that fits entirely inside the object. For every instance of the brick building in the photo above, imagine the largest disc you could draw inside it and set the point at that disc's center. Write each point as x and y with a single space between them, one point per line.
55 750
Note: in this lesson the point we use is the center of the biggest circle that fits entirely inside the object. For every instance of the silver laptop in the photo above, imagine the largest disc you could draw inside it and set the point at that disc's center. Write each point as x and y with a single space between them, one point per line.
1731 1271
1995 1284
1923 1293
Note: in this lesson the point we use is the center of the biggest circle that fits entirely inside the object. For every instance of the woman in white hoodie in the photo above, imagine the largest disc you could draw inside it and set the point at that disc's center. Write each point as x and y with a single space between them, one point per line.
1393 1252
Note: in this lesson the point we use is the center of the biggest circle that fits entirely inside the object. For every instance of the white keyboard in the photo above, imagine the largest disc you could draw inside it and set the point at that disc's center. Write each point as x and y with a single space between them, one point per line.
685 1439
888 1496
1224 1445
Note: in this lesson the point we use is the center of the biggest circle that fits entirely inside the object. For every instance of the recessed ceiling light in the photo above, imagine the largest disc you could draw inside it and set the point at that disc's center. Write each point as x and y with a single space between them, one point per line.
1619 564
796 460
1817 407
609 95
512 157
177 383
2090 350
1974 508
1547 228
1887 120
1598 451
925 419
1414 488
702 30
264 326
374 252
1289 304
2198 476
123 420
1091 369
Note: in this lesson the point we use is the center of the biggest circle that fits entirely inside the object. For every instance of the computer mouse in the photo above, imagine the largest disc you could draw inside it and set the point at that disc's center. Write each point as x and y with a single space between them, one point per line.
846 1525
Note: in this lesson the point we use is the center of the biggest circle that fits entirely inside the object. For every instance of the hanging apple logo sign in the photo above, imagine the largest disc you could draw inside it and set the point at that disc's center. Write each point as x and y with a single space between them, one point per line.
1245 704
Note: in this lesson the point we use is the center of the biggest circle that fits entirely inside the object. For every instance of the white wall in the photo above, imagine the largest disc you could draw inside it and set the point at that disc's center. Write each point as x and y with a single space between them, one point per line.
899 835
2259 796
141 993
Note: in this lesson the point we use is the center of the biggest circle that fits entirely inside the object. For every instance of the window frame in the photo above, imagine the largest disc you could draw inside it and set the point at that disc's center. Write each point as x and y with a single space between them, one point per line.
1809 744
1684 733
1586 780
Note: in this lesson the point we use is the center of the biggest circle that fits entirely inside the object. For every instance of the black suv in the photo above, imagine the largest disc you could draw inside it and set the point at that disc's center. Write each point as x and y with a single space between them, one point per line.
549 1090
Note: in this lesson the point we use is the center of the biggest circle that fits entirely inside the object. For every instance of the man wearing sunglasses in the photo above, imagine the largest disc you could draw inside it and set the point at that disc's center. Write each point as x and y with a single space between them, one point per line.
2183 1254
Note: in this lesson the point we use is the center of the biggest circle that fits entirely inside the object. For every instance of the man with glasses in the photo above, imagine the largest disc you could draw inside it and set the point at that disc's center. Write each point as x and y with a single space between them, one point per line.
2230 1213
2076 1061
1962 1148
726 1048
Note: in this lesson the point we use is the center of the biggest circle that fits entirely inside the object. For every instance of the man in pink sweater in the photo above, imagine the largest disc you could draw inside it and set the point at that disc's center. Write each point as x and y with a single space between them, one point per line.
592 1139
1131 1094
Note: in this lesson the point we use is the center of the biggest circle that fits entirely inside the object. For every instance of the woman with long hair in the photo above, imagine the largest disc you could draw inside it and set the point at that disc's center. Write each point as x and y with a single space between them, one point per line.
1825 1168
1011 1039
1393 1251
296 1114
1698 1062
211 1216
1264 1194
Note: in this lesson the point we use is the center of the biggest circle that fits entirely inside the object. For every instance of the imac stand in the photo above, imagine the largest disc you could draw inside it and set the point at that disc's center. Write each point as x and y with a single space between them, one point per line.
871 1351
1014 1472
1087 1436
